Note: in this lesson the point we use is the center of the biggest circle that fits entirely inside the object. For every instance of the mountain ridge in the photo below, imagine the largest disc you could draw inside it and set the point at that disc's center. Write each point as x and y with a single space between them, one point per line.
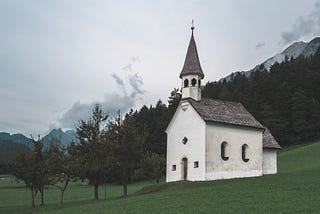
55 134
295 50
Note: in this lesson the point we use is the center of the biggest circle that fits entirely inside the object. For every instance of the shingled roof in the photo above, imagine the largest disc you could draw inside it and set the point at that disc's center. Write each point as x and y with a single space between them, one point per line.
220 111
192 62
234 113
268 140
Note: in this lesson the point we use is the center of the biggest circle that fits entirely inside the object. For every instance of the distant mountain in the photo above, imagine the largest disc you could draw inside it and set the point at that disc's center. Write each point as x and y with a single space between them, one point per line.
59 135
11 145
295 50
55 134
16 138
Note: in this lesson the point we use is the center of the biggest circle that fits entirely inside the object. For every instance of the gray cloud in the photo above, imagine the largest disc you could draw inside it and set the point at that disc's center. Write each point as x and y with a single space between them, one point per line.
111 103
136 82
260 45
127 67
118 80
74 114
304 26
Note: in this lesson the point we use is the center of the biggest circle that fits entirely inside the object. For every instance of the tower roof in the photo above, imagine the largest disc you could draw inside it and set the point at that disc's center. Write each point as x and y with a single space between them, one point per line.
192 62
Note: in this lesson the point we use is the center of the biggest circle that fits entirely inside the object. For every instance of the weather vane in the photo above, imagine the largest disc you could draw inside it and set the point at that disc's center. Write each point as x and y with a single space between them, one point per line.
192 24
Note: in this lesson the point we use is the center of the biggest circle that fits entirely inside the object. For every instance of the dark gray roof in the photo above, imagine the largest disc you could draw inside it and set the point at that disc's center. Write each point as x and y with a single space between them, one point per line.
268 140
227 112
234 113
192 62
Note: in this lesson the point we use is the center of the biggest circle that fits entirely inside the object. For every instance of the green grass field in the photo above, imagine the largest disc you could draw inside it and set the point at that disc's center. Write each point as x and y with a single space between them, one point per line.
295 189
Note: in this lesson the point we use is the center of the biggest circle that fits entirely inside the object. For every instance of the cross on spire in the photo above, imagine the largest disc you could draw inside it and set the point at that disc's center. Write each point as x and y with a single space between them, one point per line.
192 25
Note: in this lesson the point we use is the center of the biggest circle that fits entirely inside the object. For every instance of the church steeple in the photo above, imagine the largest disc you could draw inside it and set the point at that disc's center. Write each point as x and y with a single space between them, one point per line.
192 62
191 73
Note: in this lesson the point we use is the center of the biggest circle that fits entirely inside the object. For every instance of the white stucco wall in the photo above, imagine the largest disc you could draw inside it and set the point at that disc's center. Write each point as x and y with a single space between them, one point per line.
234 167
186 123
269 161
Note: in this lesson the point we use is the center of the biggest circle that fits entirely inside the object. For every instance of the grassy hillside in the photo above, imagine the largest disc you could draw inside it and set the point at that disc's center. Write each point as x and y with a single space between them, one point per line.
295 189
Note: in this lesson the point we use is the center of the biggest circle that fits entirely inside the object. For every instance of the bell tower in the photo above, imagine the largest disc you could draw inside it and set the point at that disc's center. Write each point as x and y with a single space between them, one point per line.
191 74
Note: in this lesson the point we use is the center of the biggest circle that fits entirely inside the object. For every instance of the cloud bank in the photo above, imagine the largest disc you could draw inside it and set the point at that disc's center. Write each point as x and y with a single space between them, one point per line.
304 26
130 91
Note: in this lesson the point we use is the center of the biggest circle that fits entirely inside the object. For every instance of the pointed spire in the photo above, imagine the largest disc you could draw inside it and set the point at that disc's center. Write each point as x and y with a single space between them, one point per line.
192 62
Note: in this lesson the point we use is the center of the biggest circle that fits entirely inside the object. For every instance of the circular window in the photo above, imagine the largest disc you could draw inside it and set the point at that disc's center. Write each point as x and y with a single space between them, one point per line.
184 140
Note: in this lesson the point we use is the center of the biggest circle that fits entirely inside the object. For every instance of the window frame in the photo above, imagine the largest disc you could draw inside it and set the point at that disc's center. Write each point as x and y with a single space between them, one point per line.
185 83
244 151
196 164
194 82
223 148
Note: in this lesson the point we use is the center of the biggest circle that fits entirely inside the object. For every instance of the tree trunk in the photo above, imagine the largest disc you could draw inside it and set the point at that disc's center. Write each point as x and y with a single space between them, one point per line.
61 198
96 192
125 186
62 192
32 198
105 191
42 197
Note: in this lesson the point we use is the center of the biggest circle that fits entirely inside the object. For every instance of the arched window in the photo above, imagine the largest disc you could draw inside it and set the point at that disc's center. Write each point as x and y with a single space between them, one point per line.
245 153
224 151
193 82
186 83
199 83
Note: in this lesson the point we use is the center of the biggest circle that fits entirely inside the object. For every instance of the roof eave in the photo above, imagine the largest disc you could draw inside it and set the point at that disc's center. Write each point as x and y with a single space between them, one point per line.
272 148
233 124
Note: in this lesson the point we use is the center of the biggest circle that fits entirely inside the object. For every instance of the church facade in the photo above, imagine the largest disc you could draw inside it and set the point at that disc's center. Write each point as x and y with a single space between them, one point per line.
210 139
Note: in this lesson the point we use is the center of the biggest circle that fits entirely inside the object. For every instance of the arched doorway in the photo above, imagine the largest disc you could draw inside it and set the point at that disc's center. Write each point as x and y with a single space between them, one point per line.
184 169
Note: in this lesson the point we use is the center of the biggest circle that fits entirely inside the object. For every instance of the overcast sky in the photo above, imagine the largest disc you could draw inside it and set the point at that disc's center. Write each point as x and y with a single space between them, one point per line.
58 57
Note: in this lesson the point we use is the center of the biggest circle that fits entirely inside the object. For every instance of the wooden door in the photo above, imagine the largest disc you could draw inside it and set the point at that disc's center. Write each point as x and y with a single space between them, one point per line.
184 169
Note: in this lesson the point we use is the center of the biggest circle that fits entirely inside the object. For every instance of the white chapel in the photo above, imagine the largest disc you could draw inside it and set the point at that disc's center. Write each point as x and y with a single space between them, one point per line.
209 139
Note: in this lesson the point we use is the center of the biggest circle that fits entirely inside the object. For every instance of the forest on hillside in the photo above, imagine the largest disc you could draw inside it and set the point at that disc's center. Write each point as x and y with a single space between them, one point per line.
286 99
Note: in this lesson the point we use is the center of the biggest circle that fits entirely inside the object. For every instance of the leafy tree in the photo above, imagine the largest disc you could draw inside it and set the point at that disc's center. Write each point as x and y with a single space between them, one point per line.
25 169
62 168
32 169
41 166
152 166
127 146
90 150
